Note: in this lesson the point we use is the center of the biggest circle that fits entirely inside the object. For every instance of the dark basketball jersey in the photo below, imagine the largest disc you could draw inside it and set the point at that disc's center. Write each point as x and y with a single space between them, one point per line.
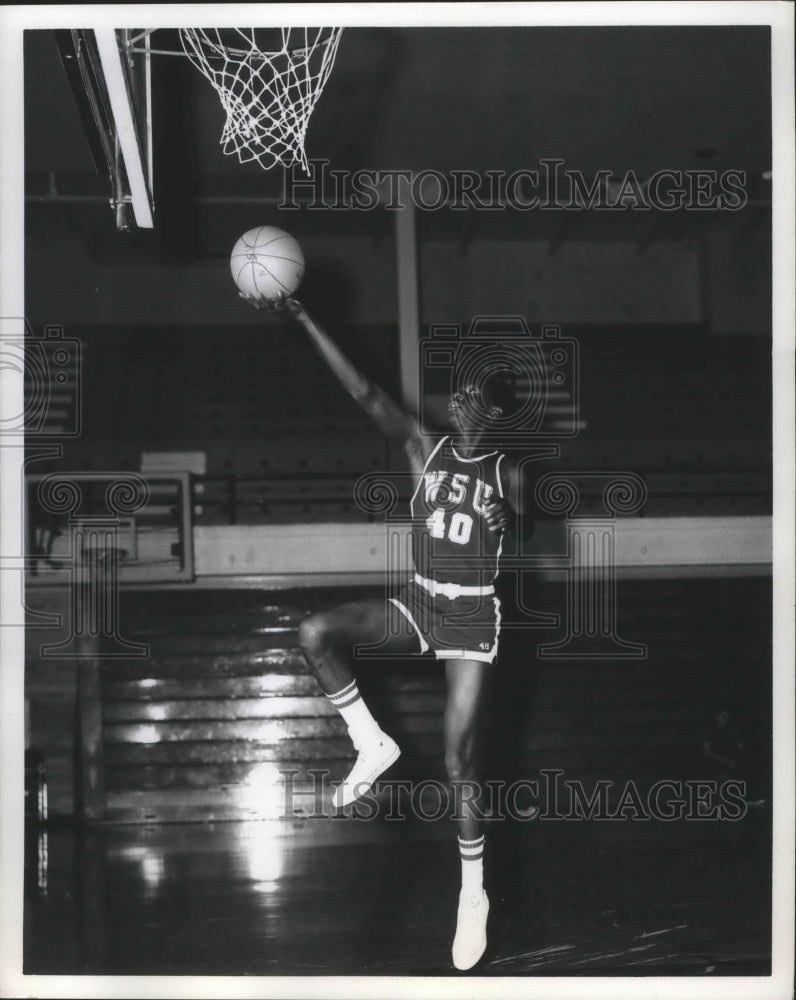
450 537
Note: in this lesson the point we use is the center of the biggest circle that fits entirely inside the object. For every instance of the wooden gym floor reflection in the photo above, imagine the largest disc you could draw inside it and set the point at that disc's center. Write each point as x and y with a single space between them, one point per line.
338 897
194 873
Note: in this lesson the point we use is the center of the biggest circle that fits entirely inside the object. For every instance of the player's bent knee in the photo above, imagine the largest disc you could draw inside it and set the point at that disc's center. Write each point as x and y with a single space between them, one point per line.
313 635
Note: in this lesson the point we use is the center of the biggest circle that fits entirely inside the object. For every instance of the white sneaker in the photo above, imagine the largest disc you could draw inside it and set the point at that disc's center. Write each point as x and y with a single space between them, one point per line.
470 941
373 760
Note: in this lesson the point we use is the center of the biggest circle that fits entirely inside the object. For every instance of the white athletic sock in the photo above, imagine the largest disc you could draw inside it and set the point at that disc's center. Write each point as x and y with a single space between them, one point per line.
362 727
472 854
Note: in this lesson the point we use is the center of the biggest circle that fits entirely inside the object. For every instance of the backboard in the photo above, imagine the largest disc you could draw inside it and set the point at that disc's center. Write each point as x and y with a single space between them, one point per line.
109 72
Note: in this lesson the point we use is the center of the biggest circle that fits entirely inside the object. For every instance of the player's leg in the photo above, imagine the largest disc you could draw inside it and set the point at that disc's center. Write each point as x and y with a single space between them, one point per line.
469 683
330 640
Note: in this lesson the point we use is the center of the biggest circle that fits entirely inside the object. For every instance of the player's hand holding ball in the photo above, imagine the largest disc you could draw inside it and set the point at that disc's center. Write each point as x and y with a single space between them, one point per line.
280 303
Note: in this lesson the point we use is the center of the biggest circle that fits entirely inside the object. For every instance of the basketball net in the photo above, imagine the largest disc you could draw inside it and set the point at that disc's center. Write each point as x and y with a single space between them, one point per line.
268 97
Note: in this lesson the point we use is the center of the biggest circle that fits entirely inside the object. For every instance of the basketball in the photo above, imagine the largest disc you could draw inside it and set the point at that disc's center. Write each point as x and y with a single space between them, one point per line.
267 261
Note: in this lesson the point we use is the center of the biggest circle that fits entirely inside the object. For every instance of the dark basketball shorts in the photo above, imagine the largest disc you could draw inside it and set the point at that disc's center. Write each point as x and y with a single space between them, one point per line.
452 622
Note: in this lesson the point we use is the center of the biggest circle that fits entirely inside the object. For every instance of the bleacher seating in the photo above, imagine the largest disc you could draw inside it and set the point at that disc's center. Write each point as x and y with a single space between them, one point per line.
688 412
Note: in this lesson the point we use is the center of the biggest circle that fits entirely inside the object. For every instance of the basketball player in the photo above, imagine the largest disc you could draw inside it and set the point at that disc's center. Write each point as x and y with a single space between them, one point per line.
461 507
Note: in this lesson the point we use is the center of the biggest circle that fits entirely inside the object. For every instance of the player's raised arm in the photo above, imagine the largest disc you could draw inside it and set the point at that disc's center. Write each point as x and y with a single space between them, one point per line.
393 420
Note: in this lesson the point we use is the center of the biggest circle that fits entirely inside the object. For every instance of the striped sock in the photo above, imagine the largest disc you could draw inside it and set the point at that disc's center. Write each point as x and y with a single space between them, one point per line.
472 854
362 727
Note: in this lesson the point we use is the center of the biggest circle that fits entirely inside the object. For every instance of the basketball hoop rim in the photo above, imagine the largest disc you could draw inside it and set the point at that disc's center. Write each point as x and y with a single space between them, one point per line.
225 52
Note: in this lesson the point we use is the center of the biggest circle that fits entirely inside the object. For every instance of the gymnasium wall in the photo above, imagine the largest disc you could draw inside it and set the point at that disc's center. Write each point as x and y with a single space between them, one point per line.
71 283
581 283
578 283
738 281
719 275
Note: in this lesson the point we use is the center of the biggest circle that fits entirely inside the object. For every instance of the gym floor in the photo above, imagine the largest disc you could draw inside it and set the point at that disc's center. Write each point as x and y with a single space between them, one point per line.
340 897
